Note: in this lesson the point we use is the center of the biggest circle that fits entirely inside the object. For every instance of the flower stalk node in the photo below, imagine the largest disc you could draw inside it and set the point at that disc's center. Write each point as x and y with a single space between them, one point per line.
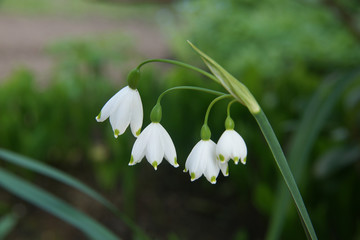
205 132
229 123
133 78
156 113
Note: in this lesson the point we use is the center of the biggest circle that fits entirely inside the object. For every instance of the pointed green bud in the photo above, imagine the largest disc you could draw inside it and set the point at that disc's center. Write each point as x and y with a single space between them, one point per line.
156 113
229 123
205 132
133 78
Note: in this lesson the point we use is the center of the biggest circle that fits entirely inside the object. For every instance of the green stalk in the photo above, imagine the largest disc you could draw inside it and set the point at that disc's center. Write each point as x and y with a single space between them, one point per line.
200 89
181 64
212 104
285 172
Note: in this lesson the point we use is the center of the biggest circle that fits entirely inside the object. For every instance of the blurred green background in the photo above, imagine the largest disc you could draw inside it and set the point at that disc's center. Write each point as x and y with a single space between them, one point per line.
60 61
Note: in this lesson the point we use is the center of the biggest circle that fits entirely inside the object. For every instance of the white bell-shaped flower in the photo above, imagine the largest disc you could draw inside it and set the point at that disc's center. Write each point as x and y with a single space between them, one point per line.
155 143
124 108
231 146
202 160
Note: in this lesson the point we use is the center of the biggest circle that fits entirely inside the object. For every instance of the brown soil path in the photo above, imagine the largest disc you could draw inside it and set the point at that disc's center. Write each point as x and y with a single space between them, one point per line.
23 38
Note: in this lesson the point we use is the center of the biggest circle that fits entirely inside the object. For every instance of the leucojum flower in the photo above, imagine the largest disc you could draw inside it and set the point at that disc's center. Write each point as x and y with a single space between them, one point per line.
124 108
154 142
202 159
231 145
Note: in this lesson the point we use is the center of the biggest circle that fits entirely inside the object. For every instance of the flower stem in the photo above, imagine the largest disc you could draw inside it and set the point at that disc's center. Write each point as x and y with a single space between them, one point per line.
200 89
212 104
285 172
181 64
229 105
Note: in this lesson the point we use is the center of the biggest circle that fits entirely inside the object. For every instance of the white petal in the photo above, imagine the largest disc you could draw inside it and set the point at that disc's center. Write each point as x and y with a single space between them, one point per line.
110 105
231 145
154 148
169 148
212 168
137 113
224 147
194 163
120 119
224 167
138 150
239 150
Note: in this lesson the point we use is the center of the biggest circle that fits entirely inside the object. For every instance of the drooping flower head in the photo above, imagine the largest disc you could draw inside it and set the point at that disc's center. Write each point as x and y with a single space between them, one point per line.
231 145
124 108
202 158
155 143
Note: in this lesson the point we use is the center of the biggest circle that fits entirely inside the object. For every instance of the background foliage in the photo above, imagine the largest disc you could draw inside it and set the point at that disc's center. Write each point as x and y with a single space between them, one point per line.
282 50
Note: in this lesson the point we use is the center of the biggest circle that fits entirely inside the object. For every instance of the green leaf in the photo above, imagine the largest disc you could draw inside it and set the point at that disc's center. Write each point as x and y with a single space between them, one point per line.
55 206
336 159
230 83
314 117
43 169
51 172
7 224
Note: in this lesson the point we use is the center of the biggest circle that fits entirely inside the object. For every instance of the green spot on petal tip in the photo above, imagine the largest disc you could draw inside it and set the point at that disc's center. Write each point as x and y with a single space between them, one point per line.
131 160
213 179
192 176
98 117
227 171
138 132
116 132
236 160
175 162
244 161
222 158
154 164
185 170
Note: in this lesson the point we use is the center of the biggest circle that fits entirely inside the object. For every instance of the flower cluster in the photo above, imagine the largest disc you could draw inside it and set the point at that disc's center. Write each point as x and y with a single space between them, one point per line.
206 158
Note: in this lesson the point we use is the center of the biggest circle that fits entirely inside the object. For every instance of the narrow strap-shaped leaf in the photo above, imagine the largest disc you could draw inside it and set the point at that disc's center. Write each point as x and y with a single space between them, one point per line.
314 117
285 172
53 173
7 224
54 205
